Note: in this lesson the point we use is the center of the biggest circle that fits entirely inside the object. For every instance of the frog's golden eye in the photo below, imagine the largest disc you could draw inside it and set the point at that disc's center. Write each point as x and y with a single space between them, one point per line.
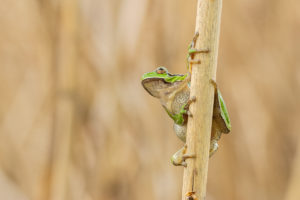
161 70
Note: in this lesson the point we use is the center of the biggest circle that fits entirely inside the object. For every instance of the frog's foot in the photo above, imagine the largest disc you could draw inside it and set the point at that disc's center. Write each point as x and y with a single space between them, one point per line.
213 147
192 61
178 159
186 156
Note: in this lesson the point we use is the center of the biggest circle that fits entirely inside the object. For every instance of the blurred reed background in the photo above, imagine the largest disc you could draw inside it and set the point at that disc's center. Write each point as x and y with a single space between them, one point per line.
76 124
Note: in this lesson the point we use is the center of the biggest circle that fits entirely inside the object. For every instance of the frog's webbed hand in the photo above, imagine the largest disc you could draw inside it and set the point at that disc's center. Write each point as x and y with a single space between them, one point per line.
192 51
187 106
193 98
178 159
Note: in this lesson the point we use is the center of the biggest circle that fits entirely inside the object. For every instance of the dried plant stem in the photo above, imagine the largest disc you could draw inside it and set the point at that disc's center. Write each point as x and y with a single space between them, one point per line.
199 126
292 191
66 59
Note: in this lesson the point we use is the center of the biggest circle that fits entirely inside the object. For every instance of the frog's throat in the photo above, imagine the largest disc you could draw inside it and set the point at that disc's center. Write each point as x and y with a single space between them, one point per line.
179 117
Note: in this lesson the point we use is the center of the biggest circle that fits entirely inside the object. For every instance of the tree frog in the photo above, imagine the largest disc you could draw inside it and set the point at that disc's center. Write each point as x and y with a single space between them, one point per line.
173 91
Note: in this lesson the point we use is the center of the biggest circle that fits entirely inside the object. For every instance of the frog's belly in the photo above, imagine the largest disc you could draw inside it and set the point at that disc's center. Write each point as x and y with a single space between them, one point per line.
180 131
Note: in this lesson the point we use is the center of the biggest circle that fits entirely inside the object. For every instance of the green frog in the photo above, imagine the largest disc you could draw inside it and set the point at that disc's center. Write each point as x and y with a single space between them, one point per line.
173 91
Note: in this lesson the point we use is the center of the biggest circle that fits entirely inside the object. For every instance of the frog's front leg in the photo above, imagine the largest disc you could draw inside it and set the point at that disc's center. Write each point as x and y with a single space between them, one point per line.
192 51
187 106
178 159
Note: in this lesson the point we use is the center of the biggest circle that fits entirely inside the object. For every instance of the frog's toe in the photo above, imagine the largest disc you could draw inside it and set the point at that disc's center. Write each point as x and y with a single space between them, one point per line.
190 101
184 164
180 162
193 51
192 61
186 156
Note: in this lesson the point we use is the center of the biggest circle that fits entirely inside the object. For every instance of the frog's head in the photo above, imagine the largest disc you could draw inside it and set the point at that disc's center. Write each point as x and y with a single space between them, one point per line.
159 80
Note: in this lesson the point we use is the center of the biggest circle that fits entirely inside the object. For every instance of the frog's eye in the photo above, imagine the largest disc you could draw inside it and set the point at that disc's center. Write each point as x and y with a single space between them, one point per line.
161 70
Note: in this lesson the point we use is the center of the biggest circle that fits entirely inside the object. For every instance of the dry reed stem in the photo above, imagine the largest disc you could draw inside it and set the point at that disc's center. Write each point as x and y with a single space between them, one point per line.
292 191
199 126
64 98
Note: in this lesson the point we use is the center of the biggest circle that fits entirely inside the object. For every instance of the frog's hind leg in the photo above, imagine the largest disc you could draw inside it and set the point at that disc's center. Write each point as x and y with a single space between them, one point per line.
187 106
178 159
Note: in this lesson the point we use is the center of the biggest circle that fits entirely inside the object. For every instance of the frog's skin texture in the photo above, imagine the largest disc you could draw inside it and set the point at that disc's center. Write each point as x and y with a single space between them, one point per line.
174 94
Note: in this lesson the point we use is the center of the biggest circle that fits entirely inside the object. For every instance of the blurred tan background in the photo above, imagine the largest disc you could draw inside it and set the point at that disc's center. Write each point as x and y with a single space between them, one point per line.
75 123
